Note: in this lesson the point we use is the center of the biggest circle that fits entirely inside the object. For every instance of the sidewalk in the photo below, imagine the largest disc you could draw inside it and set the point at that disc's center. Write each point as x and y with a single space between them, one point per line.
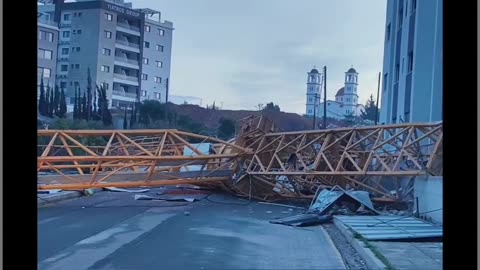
395 255
412 255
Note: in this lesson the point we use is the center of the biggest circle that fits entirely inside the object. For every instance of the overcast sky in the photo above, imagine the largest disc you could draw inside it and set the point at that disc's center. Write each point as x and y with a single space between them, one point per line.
242 53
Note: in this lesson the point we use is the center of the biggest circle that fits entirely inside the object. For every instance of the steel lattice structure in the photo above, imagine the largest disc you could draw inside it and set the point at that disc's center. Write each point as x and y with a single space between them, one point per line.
80 159
260 162
296 163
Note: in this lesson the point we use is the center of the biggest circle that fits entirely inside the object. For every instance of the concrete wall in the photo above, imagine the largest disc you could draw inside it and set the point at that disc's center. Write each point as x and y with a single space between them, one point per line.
430 196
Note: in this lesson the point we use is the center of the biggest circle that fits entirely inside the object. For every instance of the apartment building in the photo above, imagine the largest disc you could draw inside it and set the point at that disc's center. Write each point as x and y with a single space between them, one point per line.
413 62
109 38
46 50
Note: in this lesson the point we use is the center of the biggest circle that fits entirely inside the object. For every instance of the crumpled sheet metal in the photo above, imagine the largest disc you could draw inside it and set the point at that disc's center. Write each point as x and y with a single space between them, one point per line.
327 198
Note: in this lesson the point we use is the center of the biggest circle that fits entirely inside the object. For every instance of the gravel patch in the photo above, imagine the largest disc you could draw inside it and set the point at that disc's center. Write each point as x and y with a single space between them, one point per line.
350 256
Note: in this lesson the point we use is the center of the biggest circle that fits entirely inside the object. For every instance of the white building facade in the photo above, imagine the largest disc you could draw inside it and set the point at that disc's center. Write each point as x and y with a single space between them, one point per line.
346 98
412 64
314 87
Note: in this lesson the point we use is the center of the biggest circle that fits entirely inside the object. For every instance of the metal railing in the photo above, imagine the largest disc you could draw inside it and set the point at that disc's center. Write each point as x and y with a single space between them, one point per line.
125 77
130 44
127 26
123 93
126 60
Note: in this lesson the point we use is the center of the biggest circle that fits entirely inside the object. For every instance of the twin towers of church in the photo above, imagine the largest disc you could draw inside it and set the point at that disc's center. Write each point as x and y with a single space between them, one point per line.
346 99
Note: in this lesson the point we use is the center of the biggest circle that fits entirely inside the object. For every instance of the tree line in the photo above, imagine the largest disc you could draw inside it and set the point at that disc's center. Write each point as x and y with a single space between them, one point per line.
89 105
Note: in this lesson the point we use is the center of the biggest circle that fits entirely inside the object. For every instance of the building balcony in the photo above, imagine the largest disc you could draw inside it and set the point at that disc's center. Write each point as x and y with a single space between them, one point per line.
125 62
130 29
129 80
128 46
121 95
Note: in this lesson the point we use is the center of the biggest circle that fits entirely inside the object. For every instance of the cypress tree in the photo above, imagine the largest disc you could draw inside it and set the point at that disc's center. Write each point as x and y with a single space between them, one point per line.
125 123
51 103
41 103
84 107
47 101
89 96
56 101
63 104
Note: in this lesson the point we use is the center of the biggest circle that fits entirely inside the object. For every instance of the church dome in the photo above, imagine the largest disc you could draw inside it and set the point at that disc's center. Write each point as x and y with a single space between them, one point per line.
352 70
314 71
340 92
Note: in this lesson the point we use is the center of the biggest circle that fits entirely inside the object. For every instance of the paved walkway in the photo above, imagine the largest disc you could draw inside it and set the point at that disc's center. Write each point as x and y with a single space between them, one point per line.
412 255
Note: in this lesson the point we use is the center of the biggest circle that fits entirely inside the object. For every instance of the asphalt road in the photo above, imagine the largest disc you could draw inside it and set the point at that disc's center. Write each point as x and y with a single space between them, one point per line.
111 230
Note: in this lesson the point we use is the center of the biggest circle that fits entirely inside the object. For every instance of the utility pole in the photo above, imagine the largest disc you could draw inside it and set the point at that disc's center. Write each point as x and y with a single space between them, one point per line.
315 110
378 93
325 97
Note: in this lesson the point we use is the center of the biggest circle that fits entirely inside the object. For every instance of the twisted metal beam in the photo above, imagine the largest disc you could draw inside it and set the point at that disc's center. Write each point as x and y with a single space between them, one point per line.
81 159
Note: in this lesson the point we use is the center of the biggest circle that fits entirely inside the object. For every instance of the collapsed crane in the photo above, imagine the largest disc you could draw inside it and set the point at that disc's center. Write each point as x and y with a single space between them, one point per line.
261 161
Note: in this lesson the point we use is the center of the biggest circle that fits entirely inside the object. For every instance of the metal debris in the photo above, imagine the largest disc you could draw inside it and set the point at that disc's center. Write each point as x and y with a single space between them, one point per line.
302 220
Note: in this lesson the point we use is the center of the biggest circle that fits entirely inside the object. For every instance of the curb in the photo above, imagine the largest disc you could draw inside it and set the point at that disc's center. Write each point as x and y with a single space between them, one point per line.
62 196
367 255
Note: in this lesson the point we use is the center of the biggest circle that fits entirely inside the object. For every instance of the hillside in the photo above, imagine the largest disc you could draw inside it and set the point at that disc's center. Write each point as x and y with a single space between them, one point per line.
210 118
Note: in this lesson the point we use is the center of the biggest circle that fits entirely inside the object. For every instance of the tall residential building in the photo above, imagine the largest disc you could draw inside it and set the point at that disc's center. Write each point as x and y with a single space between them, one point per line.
46 50
412 64
127 50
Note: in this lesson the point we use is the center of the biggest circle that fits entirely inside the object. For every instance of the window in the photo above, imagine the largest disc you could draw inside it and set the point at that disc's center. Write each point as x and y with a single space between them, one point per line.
79 14
145 61
64 67
76 84
108 17
309 111
77 66
46 72
159 48
44 35
49 36
75 49
397 72
147 28
389 29
106 51
328 104
66 17
157 79
104 85
74 32
66 34
45 54
146 44
144 93
63 84
64 51
105 68
161 32
309 99
159 64
144 77
410 61
157 95
79 32
108 34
